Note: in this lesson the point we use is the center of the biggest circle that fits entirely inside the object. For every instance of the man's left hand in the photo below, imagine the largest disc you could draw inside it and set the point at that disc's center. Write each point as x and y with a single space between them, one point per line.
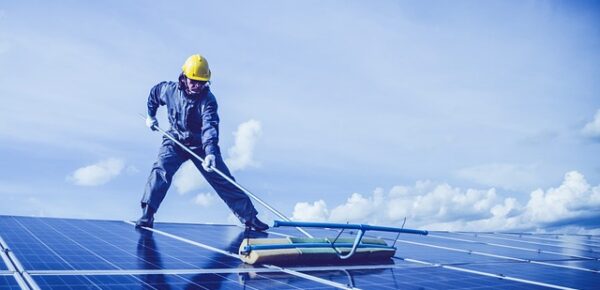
209 162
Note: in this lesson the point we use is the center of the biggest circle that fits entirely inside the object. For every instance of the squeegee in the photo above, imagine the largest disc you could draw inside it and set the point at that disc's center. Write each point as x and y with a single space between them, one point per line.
309 250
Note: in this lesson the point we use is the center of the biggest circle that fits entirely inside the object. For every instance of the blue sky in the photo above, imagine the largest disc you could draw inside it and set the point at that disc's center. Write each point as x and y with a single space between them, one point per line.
457 115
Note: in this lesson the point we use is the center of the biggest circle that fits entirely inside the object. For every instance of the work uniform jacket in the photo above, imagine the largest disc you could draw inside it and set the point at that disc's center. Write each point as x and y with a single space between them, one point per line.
193 118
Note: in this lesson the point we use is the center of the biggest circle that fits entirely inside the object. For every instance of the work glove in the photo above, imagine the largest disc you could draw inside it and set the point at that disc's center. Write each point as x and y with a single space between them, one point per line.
209 161
152 123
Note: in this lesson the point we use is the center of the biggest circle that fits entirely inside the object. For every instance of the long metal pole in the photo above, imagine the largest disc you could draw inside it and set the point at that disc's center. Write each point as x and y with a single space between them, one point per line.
247 192
348 226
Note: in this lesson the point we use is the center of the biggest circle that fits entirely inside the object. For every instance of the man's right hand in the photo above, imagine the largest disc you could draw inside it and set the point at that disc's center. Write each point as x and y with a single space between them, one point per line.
152 123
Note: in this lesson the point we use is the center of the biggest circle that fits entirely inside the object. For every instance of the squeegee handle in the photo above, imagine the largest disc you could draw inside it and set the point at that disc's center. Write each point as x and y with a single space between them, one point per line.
361 227
226 177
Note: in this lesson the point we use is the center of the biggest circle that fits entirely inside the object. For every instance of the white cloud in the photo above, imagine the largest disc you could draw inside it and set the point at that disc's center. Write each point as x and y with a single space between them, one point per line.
442 207
97 174
242 153
572 199
305 211
204 199
592 129
188 178
358 207
503 175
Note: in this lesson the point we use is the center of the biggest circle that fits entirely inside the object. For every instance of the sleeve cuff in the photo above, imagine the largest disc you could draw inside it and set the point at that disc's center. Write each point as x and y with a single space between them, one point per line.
212 149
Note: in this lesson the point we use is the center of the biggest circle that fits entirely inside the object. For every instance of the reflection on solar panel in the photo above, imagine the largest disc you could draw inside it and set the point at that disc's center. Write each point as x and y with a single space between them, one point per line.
50 253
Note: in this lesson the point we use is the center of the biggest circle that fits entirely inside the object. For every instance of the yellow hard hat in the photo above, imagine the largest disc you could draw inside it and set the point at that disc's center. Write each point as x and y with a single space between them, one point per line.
196 68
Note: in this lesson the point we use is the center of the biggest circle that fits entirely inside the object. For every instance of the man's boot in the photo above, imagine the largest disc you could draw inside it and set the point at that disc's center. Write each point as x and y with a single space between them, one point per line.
147 219
255 224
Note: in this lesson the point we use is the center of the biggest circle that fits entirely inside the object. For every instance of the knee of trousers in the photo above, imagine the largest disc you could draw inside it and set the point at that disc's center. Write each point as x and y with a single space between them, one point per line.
164 171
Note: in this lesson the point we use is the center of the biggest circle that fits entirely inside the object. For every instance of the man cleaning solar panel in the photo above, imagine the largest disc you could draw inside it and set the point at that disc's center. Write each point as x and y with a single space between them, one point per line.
194 134
192 114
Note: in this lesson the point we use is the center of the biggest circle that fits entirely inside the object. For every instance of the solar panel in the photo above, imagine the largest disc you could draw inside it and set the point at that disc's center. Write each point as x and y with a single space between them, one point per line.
53 253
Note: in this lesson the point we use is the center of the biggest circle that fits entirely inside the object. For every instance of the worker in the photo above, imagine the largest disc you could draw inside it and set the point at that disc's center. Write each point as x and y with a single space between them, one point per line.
192 113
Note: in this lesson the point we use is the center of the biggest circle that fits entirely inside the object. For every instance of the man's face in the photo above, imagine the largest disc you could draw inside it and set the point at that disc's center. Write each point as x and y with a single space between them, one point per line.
194 86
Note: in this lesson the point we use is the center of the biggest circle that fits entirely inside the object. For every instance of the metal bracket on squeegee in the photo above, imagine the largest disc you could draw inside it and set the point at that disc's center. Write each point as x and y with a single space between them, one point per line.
362 228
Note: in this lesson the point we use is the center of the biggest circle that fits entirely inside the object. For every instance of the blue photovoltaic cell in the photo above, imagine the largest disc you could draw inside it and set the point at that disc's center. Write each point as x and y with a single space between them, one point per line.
8 282
64 244
187 281
417 278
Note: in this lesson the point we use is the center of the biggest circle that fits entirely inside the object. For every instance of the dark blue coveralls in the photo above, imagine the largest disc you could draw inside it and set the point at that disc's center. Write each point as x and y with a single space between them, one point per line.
195 123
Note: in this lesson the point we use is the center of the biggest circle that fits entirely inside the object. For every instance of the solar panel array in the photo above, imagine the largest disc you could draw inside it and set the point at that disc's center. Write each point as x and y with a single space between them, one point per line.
52 253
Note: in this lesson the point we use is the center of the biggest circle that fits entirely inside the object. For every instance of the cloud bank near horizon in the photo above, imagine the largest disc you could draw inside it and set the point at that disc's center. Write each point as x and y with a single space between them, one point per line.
572 206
